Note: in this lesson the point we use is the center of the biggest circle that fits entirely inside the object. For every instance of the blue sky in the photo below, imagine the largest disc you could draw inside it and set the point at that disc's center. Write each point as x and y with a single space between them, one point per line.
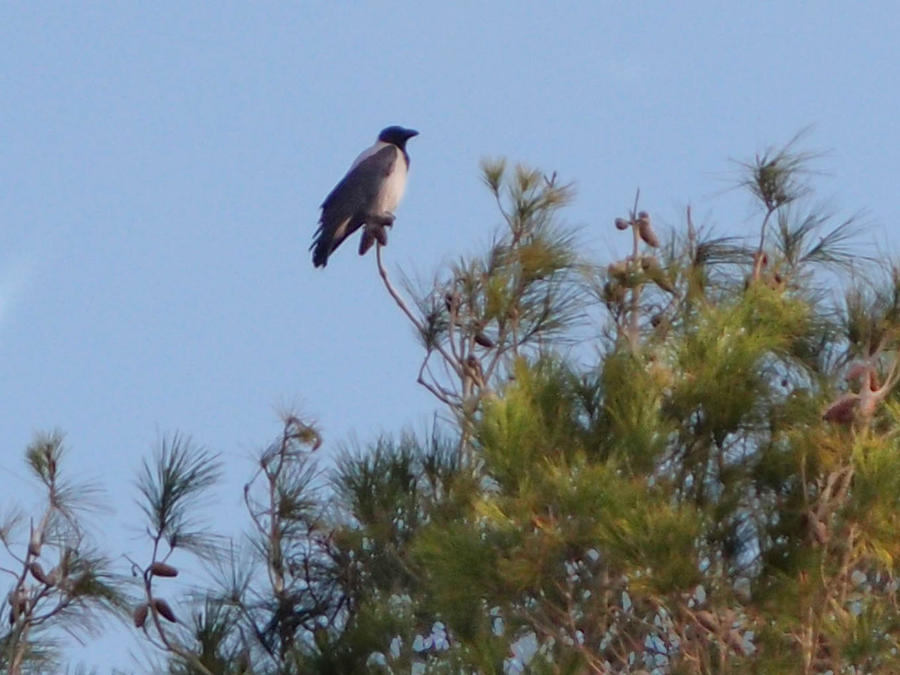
162 165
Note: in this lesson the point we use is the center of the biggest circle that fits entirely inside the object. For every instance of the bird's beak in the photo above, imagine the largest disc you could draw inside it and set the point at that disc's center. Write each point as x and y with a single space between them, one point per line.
411 132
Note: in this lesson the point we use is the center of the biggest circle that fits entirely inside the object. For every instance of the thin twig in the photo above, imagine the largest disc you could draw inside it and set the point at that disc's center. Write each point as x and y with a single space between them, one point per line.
396 296
757 265
405 308
635 262
437 391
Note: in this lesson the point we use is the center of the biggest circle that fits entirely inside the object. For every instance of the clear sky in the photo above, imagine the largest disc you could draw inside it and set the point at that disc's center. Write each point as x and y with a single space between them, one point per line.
162 164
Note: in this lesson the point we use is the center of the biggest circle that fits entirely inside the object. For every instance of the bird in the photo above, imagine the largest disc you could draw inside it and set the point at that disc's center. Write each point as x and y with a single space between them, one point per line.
366 196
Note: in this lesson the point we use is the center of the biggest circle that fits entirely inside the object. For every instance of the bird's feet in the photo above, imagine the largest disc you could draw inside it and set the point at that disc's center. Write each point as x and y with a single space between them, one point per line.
371 234
375 230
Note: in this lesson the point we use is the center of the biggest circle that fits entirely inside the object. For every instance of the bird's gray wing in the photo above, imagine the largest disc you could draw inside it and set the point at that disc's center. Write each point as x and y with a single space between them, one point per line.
346 207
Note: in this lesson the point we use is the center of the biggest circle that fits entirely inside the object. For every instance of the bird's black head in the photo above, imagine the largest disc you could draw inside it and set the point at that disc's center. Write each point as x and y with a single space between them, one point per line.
397 135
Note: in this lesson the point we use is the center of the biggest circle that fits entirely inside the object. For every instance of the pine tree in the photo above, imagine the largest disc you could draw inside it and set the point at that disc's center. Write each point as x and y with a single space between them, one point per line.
682 461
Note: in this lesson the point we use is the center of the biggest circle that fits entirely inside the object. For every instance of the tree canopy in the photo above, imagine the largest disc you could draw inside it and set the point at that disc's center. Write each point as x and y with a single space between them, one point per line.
682 461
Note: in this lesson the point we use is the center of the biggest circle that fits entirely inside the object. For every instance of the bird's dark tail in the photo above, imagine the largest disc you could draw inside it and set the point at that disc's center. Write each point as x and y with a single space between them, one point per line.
320 253
329 236
321 248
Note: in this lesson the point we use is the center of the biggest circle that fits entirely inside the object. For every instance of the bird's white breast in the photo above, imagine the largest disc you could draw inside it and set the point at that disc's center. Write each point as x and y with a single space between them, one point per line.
393 186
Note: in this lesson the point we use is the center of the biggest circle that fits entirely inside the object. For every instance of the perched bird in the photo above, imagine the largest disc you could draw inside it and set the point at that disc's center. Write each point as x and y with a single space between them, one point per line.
367 195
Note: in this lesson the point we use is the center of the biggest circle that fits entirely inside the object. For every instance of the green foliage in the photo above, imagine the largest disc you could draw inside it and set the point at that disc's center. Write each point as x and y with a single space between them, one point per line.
629 426
712 485
170 487
522 294
59 582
